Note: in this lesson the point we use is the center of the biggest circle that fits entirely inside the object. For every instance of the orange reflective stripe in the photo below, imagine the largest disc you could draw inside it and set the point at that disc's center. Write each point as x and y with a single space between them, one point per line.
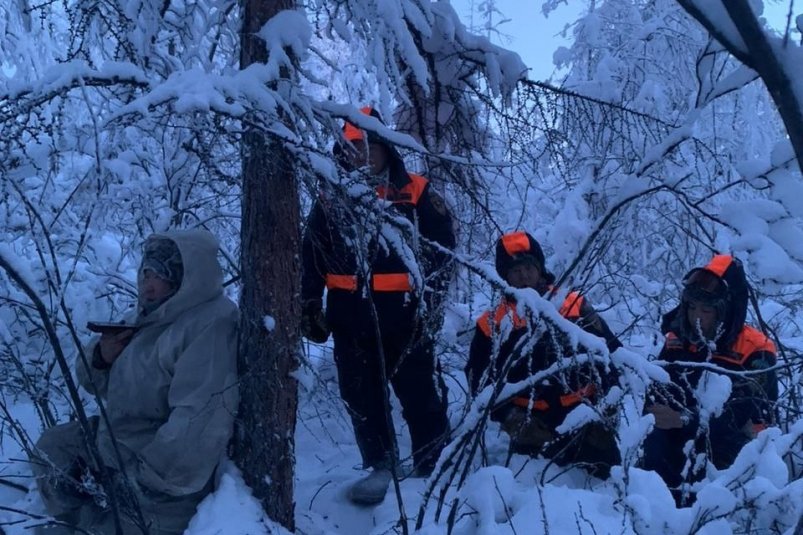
341 282
392 282
719 264
516 242
570 309
737 359
577 396
537 404
382 282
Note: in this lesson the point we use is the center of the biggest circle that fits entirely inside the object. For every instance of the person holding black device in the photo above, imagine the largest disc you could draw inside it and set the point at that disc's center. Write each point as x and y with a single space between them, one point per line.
168 378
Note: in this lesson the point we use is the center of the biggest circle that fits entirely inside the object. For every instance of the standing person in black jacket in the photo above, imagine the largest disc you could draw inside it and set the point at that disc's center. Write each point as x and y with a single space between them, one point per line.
708 327
503 340
384 285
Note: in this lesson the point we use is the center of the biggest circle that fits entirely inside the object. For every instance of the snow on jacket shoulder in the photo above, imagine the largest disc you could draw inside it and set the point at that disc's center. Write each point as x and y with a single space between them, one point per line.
172 394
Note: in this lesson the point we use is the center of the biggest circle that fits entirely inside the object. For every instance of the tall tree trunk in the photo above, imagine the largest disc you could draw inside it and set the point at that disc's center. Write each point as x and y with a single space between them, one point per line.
269 305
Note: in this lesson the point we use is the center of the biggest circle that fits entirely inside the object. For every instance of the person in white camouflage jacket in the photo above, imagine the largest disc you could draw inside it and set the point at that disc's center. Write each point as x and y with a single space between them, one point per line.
169 385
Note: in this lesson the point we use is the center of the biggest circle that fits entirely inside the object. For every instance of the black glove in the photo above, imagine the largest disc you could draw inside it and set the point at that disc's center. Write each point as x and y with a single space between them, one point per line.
527 429
79 480
313 323
127 492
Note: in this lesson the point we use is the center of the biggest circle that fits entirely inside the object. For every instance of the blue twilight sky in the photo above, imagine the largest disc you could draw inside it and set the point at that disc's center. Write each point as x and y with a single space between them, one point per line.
527 32
535 37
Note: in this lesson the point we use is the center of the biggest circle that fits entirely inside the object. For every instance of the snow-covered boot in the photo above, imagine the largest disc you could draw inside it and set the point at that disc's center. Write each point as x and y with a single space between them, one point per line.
371 489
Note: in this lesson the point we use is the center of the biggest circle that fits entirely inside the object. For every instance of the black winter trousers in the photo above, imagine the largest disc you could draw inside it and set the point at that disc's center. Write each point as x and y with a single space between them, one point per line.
415 376
663 452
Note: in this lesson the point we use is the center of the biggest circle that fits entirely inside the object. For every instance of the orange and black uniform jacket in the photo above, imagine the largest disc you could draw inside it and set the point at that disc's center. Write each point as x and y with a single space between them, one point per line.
749 408
740 348
330 259
555 397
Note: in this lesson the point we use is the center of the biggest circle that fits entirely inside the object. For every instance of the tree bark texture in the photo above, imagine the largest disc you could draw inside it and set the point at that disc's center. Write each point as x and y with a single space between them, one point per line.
270 252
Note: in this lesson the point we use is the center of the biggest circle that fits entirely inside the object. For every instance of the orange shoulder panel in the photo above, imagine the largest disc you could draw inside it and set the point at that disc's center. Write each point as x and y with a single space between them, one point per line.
416 187
570 309
502 311
484 323
749 341
509 309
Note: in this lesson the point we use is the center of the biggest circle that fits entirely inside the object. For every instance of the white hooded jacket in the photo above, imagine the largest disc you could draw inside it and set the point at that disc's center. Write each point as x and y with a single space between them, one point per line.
172 394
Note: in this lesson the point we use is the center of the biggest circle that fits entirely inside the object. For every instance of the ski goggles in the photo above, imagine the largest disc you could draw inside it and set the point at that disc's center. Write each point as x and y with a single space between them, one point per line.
702 285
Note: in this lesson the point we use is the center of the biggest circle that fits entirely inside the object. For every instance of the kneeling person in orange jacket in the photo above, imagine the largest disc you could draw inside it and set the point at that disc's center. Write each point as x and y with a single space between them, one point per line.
531 416
708 327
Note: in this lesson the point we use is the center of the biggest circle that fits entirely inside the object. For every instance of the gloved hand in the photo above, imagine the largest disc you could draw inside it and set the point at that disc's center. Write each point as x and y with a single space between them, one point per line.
597 434
313 323
666 417
79 479
127 492
525 429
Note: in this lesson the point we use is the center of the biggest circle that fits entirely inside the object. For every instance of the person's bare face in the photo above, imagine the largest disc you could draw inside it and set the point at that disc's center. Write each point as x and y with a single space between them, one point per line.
524 275
703 317
152 288
373 156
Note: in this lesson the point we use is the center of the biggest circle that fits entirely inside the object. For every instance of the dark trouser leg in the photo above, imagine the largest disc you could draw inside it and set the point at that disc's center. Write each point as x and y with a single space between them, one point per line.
528 432
594 447
726 441
663 453
364 393
420 388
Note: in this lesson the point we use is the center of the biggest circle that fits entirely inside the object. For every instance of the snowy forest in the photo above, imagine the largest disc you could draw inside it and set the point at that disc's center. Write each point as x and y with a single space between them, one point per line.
671 131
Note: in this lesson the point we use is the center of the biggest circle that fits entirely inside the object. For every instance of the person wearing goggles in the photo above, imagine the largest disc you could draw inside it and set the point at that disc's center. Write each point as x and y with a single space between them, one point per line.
707 334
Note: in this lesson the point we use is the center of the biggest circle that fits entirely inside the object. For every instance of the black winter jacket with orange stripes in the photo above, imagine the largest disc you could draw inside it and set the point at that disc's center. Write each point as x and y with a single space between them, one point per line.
556 396
749 407
345 251
739 348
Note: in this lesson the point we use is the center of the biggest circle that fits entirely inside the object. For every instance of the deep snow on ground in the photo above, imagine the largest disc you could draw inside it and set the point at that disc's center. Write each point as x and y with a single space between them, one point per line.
527 496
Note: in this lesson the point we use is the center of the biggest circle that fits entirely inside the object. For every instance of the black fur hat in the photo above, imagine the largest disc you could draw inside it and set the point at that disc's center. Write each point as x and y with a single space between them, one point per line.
519 246
721 283
352 133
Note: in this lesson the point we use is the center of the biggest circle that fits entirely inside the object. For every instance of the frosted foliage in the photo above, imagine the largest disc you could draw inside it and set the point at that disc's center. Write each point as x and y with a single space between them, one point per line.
289 30
123 118
712 391
393 26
